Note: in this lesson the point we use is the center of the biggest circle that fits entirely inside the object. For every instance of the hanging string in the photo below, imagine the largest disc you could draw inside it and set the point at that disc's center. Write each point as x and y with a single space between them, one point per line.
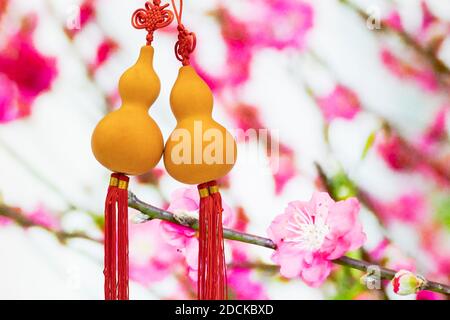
187 41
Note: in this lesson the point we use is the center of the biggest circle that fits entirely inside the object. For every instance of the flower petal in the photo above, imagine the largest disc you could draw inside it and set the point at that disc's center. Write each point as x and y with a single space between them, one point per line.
315 274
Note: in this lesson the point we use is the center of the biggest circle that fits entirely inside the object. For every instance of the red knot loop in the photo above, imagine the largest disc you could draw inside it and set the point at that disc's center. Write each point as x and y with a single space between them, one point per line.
152 17
185 45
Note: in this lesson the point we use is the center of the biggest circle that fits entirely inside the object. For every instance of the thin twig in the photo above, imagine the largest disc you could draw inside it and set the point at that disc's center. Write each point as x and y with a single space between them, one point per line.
152 212
22 220
439 67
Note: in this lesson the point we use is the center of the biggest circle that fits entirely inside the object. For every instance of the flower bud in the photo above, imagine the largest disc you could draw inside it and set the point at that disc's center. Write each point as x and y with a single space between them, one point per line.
406 282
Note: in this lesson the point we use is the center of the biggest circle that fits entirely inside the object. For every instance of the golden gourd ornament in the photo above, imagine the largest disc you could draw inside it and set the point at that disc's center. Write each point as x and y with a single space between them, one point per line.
200 151
128 141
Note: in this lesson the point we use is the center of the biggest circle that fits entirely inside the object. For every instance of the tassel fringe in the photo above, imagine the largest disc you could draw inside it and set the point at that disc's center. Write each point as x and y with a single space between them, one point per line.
116 239
212 278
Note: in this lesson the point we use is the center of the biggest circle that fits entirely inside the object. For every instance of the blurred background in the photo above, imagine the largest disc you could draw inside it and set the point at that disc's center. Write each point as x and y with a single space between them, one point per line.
354 93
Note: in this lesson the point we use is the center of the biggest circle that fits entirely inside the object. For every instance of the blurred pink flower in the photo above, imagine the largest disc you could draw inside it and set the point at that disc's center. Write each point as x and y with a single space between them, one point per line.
429 35
429 295
391 257
238 54
283 167
86 14
433 30
436 245
104 51
32 72
395 152
3 6
394 21
409 208
427 17
280 24
5 221
340 103
186 200
309 235
246 117
8 103
152 177
437 131
429 20
423 76
239 250
243 286
151 257
401 155
43 217
29 71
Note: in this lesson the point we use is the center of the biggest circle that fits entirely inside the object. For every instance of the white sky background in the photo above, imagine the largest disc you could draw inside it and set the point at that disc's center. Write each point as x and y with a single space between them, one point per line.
55 141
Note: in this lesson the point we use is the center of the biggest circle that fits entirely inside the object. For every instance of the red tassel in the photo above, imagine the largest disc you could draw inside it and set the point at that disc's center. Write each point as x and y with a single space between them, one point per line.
212 278
116 238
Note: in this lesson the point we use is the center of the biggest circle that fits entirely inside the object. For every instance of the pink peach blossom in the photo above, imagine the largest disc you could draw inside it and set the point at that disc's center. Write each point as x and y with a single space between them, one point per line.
5 221
409 208
8 100
283 168
391 257
309 235
246 117
400 155
280 24
429 295
395 152
340 103
239 53
432 31
152 177
435 243
43 217
151 258
30 72
243 287
86 14
437 130
186 200
394 21
104 51
423 75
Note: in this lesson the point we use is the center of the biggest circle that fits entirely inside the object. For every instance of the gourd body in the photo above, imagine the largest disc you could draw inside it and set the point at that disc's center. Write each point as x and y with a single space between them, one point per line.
199 149
128 140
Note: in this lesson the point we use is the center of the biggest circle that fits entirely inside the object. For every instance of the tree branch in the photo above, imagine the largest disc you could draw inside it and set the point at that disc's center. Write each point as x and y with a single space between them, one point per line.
22 220
150 212
439 67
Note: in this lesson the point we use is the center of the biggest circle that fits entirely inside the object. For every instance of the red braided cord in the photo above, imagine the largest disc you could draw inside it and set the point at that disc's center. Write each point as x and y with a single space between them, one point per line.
187 41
